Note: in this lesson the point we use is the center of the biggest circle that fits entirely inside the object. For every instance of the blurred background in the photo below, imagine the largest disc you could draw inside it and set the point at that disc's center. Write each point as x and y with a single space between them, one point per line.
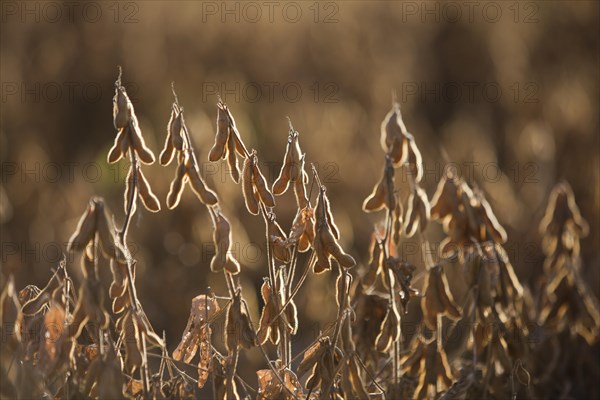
507 92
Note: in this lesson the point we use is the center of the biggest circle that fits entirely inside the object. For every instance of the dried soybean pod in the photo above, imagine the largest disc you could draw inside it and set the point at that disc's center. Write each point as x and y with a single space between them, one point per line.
389 331
239 145
149 200
296 159
177 186
300 193
299 186
232 159
376 199
139 145
218 150
330 221
119 280
358 385
277 240
199 187
265 330
240 148
383 192
121 108
232 265
222 241
333 248
438 298
116 151
86 229
446 198
167 153
133 354
282 182
176 128
260 184
491 222
374 266
250 196
415 161
418 212
125 142
127 195
323 262
105 234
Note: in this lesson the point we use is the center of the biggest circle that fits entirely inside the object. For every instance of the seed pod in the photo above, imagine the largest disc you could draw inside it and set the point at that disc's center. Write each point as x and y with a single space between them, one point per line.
240 148
119 281
446 198
121 108
345 280
330 221
322 263
312 355
38 302
390 128
437 298
474 222
302 232
277 240
234 168
125 142
292 168
376 200
176 127
177 186
105 233
197 330
116 151
374 266
120 303
325 243
86 229
414 161
133 351
268 329
137 142
238 331
282 182
389 331
222 241
204 194
356 381
231 265
149 200
300 193
239 145
218 150
333 248
129 197
167 153
92 294
250 195
205 355
260 184
383 192
492 225
418 212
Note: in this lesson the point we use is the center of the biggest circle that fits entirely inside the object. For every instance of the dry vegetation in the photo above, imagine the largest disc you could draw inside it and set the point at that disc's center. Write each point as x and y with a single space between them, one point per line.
494 337
443 253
